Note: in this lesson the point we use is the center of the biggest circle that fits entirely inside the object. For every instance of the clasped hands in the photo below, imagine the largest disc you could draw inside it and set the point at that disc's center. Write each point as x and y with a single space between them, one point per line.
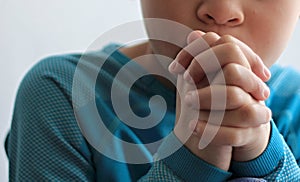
244 130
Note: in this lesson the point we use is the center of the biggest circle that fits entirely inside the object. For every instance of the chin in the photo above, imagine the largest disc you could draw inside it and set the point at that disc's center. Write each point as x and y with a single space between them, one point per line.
165 48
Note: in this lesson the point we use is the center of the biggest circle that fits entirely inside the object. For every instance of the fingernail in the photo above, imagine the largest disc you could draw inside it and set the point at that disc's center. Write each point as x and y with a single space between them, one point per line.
172 66
267 73
266 92
187 77
175 67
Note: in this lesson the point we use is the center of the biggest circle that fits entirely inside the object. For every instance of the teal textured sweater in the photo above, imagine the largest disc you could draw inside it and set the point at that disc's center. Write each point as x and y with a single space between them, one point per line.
46 142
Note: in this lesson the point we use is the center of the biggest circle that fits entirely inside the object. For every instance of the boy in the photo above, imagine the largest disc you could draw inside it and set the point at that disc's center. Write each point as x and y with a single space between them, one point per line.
246 37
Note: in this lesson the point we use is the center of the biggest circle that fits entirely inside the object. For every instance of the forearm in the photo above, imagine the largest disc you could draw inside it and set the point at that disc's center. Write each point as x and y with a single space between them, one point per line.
218 156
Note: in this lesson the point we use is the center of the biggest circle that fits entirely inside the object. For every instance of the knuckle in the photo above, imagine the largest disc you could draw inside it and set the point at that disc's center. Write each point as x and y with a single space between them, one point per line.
249 112
236 138
232 72
267 114
235 54
254 85
257 86
256 60
254 115
235 97
232 47
260 86
227 38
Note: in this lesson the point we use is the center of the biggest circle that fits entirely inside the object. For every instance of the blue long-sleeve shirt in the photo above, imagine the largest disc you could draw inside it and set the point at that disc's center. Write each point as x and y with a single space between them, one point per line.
46 142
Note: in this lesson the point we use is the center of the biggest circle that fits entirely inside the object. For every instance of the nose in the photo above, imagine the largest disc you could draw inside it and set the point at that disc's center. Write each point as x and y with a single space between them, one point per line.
221 12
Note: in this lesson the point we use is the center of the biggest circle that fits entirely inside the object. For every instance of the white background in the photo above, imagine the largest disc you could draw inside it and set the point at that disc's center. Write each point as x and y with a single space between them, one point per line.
31 30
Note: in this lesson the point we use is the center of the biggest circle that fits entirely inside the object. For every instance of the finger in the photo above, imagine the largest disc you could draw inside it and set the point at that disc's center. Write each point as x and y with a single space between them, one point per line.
194 35
212 60
256 63
197 45
237 75
201 99
251 115
231 136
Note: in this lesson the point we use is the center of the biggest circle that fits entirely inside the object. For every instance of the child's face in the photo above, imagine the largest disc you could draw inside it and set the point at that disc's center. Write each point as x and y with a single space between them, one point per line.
264 25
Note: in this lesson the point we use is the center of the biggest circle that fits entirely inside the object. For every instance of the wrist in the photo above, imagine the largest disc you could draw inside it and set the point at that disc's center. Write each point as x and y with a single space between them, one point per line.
266 162
218 156
255 148
186 165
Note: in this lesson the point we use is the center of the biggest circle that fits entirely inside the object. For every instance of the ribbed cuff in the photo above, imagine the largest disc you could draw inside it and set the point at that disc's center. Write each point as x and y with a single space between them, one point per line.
186 165
266 162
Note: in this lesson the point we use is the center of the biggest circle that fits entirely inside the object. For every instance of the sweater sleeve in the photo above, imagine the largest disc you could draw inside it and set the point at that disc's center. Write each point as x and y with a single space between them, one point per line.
182 165
276 163
45 143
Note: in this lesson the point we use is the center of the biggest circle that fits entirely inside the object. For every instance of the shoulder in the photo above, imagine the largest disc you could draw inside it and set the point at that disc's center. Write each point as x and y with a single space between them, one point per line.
56 67
46 89
61 70
44 132
49 75
44 101
54 79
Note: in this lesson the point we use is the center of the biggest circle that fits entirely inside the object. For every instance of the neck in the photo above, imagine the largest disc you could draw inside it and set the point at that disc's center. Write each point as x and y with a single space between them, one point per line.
150 62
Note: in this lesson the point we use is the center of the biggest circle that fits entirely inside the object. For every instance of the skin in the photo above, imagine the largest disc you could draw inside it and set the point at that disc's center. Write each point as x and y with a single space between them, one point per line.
247 37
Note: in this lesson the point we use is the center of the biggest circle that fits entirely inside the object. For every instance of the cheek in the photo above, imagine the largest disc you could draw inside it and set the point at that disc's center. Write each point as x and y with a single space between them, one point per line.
269 27
270 40
272 44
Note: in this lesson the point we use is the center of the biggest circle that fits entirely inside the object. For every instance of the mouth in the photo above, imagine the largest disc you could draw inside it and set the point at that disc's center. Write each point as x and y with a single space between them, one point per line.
218 29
